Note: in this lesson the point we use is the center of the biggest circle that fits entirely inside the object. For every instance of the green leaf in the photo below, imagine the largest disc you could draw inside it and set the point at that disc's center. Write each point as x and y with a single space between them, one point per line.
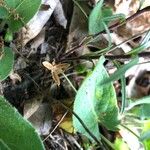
3 146
146 38
144 111
120 144
3 13
96 104
121 71
101 16
140 48
8 36
81 68
143 46
16 132
20 12
96 16
145 137
144 100
6 62
123 92
115 17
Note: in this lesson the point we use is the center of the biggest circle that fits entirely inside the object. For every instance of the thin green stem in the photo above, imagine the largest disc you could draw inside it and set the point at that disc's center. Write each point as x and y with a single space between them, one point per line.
69 82
82 123
130 131
107 142
80 8
123 91
123 88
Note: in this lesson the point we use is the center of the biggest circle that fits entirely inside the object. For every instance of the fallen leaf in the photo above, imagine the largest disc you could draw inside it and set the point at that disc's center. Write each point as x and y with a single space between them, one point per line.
56 69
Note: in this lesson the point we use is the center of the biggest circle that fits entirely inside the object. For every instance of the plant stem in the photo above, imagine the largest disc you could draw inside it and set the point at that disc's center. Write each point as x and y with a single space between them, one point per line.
69 82
110 57
80 8
82 123
107 142
123 89
129 19
111 28
130 131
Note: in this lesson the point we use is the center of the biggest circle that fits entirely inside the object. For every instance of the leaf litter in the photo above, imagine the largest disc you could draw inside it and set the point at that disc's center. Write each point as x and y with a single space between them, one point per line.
31 89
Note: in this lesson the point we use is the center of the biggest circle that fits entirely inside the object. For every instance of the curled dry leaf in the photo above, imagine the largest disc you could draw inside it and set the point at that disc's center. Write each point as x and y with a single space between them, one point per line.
31 106
59 15
38 40
42 119
36 24
56 69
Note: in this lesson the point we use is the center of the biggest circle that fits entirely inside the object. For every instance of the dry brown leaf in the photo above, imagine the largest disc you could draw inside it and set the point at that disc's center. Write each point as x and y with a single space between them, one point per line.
31 106
35 25
139 24
41 119
55 69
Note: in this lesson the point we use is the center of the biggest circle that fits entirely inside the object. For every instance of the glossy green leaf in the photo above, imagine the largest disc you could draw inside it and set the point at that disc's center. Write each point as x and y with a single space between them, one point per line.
16 132
121 71
96 104
21 11
6 62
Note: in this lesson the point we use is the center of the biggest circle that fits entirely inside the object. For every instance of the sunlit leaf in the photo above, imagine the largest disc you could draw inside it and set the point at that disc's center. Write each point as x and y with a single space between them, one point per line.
96 104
